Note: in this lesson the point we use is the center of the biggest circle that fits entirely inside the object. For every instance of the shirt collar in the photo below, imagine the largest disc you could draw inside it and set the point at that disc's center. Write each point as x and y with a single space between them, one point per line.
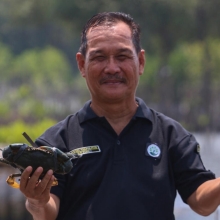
143 111
86 113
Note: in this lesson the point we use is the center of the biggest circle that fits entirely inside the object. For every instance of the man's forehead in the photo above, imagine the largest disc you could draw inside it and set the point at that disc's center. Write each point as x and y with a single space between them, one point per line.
110 27
101 28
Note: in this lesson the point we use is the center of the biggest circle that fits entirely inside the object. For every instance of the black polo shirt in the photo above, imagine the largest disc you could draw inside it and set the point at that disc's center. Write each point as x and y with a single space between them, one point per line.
136 174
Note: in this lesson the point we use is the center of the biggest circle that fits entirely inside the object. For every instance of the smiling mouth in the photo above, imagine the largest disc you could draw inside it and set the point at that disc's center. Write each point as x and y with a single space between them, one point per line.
112 82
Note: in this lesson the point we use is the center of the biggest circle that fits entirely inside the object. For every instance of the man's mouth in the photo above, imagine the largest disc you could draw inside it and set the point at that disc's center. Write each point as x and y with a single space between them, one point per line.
112 80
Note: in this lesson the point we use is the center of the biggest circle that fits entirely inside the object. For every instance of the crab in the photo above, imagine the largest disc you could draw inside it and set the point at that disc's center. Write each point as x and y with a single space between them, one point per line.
21 155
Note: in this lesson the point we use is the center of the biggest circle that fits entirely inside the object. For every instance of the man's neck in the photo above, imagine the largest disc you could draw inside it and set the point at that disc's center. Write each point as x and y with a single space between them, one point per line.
117 114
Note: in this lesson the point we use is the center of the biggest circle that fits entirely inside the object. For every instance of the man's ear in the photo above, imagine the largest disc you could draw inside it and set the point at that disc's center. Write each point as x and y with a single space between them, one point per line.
81 63
141 58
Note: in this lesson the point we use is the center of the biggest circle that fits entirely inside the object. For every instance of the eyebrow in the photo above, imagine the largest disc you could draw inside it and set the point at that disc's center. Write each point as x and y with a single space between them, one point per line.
121 50
124 50
95 52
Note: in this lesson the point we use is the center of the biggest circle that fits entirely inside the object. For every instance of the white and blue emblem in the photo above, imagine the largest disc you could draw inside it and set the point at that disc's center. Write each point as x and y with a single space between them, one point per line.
153 150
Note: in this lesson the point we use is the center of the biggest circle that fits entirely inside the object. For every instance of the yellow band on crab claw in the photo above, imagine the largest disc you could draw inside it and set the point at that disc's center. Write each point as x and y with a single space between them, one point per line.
55 182
11 182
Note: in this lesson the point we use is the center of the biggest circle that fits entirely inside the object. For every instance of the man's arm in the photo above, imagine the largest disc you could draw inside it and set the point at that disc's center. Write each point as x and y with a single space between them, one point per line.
206 198
46 212
40 203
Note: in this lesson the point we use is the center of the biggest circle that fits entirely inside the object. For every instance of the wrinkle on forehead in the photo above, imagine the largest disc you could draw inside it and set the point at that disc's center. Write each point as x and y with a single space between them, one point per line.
110 30
101 28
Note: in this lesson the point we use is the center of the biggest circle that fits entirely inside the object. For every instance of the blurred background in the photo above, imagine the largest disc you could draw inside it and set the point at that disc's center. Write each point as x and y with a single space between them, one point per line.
40 83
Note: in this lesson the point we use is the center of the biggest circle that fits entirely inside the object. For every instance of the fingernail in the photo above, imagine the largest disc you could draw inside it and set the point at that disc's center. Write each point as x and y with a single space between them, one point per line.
50 172
29 168
39 169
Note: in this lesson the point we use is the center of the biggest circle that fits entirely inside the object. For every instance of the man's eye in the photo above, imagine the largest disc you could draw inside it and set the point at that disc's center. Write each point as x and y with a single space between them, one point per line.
98 58
122 57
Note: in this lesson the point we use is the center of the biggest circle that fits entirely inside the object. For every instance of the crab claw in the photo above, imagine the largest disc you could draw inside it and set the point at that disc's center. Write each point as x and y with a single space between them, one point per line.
11 182
55 182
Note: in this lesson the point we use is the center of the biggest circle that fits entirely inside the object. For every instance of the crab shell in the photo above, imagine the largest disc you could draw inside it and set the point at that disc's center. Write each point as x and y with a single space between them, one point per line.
22 156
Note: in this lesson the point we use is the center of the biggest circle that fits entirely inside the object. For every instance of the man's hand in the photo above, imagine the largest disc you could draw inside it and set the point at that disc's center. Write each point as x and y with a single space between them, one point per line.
40 203
38 193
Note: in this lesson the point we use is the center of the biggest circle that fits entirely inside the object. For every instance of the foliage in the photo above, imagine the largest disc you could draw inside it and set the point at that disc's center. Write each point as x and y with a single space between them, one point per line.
39 75
12 133
47 68
33 83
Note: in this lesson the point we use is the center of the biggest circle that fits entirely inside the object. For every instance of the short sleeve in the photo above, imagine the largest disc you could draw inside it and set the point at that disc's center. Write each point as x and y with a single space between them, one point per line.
188 168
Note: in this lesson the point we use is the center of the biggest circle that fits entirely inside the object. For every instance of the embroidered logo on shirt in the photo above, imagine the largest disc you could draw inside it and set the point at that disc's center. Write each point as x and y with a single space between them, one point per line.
153 150
86 150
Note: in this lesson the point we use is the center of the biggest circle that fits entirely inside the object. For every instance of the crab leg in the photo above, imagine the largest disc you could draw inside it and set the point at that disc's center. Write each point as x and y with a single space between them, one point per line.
11 180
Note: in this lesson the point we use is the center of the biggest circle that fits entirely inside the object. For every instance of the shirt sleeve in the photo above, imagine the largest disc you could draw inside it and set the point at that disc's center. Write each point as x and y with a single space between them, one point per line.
189 170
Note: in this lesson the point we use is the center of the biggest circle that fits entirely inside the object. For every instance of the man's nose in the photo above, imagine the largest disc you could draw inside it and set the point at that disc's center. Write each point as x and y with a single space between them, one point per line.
112 66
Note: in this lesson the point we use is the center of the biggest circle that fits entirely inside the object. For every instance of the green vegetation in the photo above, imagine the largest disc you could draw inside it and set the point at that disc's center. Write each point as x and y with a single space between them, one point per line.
39 78
12 133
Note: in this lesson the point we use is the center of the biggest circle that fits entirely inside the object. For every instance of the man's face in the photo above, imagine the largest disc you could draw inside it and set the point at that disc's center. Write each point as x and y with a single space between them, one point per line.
111 66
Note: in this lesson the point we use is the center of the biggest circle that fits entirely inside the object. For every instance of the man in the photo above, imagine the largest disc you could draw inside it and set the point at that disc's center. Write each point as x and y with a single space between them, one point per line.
141 157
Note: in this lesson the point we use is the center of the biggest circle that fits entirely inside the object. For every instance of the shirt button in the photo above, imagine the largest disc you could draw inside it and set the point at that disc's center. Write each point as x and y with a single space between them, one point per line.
118 142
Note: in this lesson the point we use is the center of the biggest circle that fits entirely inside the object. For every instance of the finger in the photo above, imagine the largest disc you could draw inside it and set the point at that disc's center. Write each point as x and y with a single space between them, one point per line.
45 183
25 178
49 185
34 178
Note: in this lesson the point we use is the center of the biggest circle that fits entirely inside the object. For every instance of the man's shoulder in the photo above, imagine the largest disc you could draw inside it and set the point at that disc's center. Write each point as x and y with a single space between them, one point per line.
153 114
75 118
62 132
63 124
159 119
55 135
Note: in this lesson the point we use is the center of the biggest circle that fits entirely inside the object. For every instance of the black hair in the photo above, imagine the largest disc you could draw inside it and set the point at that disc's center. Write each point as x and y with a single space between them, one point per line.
111 18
